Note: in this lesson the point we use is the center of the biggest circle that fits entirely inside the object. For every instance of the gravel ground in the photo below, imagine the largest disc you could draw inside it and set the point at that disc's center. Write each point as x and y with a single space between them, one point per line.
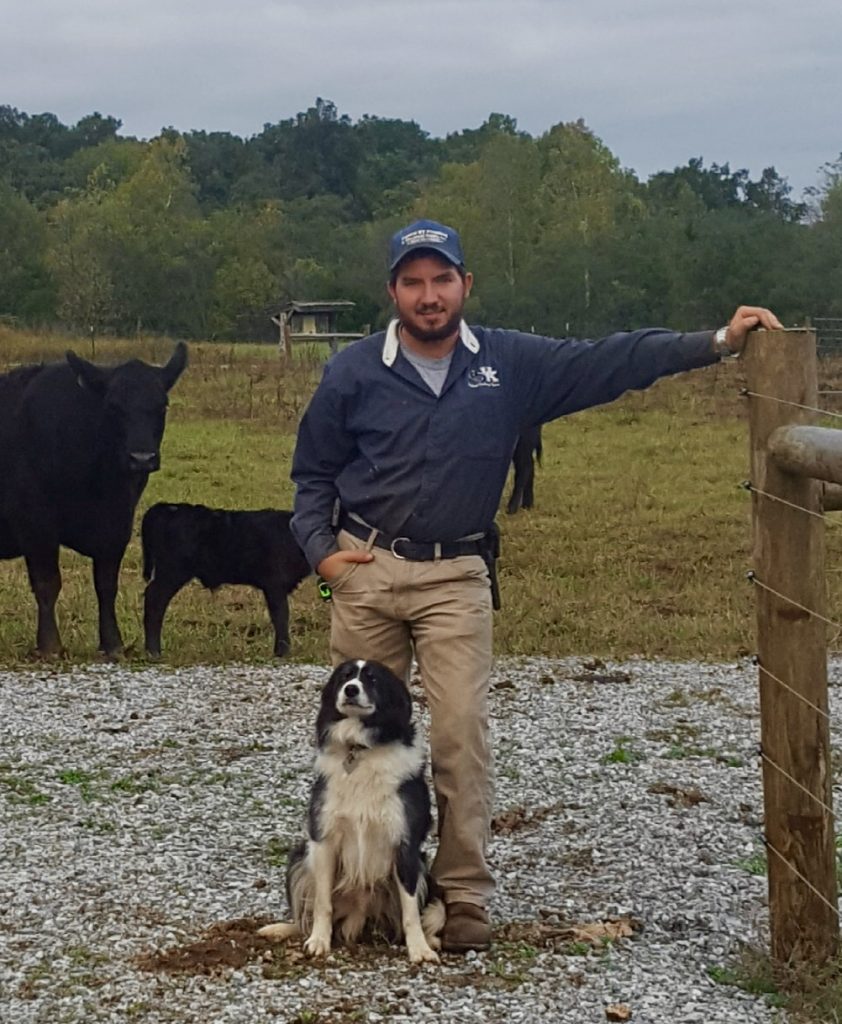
144 817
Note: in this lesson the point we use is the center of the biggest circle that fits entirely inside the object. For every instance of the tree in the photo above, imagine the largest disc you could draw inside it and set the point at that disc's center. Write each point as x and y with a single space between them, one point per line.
219 162
825 255
133 253
33 149
396 157
466 146
162 273
587 203
80 264
718 187
26 289
312 154
246 254
109 162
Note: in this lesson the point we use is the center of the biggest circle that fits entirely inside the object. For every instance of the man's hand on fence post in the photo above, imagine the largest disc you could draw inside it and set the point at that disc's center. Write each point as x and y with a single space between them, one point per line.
746 319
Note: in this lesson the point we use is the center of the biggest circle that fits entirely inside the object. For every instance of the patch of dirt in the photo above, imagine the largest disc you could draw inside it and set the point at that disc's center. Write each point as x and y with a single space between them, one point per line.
513 819
596 671
602 677
679 796
224 946
503 684
580 859
229 945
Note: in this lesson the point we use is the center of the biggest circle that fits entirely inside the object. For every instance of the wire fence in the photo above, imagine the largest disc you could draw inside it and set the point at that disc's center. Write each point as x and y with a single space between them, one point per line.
828 335
835 727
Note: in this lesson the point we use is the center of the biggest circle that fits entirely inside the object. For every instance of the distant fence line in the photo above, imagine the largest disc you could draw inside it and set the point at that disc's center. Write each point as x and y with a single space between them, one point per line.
828 335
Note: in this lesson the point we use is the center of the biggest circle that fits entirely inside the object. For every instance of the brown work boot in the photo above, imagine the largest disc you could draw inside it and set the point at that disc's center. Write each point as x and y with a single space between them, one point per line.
467 927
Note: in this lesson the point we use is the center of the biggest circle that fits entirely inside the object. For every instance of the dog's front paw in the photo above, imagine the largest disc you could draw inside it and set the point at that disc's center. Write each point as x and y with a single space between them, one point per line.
279 932
317 945
420 953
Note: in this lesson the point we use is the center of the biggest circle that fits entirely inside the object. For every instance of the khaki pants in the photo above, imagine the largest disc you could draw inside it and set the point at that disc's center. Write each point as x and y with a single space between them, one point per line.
385 609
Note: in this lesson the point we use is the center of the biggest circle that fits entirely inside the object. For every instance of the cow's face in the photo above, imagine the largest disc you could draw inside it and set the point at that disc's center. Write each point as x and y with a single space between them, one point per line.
134 402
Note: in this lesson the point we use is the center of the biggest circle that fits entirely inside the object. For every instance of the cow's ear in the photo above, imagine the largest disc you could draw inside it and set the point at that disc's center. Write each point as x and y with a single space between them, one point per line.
88 375
175 367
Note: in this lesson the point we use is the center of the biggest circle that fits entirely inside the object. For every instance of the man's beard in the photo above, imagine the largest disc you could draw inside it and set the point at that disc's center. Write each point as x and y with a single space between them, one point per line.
434 334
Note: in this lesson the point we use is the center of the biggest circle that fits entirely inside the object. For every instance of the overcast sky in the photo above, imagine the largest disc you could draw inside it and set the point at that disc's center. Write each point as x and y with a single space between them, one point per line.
754 84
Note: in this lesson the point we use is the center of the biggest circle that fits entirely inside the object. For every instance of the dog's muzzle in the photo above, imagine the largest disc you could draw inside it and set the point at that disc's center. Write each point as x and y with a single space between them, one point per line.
352 697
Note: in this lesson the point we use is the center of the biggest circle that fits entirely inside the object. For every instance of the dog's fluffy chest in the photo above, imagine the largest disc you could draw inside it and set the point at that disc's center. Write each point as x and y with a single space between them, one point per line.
362 810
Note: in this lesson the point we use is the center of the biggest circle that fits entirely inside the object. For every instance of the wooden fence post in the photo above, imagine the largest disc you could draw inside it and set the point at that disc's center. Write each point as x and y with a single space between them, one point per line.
792 648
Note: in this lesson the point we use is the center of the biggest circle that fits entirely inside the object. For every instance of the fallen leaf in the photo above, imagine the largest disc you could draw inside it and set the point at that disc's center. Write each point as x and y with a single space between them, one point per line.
598 932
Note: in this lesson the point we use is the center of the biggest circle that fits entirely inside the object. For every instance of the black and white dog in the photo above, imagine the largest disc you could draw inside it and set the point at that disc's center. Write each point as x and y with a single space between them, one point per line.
362 865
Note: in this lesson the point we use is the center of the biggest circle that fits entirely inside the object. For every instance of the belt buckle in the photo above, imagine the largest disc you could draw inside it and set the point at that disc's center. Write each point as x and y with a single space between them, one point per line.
392 547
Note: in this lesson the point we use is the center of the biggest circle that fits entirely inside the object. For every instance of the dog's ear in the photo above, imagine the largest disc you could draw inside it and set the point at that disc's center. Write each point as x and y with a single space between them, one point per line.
327 710
393 718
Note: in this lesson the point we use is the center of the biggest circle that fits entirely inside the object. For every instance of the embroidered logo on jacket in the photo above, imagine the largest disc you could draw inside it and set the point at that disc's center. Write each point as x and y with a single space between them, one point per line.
483 377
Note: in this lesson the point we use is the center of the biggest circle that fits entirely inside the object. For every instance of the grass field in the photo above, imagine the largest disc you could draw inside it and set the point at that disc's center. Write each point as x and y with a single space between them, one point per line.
639 542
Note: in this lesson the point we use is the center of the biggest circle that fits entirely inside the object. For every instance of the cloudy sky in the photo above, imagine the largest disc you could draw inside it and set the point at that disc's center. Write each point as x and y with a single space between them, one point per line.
754 84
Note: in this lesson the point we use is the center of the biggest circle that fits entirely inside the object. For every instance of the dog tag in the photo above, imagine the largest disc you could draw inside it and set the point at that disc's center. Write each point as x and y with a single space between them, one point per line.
352 758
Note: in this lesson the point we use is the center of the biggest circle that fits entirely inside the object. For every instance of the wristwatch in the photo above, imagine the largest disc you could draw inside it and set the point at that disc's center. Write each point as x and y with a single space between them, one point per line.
720 343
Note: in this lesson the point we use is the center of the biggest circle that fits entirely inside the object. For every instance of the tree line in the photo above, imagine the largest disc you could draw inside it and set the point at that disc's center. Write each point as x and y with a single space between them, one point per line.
204 234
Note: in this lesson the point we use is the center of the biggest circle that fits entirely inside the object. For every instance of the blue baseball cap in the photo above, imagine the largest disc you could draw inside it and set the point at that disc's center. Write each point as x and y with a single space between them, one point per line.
426 234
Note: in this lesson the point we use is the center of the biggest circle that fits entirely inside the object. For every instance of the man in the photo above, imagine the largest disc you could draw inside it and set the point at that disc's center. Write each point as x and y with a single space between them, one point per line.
401 460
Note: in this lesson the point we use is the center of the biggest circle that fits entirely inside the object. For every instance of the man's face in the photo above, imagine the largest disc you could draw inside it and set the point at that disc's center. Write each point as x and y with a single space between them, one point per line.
429 295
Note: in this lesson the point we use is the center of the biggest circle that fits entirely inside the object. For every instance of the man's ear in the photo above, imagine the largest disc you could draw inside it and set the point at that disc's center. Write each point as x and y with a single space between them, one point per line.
469 283
390 288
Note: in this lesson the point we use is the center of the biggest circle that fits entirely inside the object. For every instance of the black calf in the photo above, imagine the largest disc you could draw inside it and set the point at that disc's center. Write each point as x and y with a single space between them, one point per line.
216 546
523 490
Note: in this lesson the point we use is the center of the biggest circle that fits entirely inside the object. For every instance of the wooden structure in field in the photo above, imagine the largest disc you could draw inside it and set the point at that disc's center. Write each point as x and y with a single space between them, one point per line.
796 468
312 322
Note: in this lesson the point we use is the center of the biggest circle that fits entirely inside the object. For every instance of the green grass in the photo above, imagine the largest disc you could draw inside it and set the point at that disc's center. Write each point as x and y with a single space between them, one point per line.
20 790
638 545
758 983
511 962
622 753
809 994
756 864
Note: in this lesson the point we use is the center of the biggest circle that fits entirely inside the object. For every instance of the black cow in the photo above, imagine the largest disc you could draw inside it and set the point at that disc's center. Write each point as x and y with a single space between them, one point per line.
77 445
523 489
214 545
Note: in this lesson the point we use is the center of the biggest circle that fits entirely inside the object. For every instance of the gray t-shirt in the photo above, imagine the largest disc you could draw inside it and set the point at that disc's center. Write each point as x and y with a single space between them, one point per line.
433 371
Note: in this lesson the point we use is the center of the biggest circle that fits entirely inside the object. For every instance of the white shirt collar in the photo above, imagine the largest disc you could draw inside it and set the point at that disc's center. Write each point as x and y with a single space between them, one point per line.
392 344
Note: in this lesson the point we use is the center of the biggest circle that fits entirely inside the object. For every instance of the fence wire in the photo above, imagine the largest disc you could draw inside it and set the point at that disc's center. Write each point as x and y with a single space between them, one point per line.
752 577
767 843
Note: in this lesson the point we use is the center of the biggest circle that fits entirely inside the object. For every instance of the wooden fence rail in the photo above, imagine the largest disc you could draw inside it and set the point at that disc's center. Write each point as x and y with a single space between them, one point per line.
789 460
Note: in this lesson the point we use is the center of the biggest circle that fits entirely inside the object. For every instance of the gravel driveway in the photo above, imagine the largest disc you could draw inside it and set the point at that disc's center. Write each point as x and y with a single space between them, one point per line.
145 815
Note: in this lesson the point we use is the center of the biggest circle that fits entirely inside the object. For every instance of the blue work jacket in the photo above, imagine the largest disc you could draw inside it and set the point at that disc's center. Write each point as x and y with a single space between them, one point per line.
433 468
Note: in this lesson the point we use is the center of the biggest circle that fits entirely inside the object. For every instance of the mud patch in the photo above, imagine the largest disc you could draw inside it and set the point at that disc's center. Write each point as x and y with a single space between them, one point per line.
227 945
513 819
679 796
596 671
231 945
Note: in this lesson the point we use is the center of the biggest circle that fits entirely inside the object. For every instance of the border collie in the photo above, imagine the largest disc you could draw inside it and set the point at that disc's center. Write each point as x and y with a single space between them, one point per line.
362 867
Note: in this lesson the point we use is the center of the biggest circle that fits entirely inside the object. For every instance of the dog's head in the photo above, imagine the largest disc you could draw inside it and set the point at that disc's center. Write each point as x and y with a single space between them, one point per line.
369 694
